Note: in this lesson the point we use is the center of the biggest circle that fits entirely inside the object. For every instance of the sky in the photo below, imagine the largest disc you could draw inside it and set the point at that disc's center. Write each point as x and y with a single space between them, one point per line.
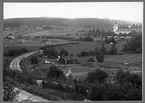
128 11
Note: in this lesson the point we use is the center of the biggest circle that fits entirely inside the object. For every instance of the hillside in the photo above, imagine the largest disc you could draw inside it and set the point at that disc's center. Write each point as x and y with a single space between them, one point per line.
105 24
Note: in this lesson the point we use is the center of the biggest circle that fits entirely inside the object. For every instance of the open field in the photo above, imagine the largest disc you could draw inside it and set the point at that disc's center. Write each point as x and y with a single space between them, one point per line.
77 48
32 44
79 70
111 65
71 48
51 32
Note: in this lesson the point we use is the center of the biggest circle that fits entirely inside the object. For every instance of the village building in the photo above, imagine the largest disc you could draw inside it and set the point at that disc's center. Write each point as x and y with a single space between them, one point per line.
67 60
126 29
123 30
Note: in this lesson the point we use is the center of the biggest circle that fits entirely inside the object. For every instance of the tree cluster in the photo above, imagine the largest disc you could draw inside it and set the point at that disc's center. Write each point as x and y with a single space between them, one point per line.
97 32
15 52
91 60
122 77
86 53
51 53
8 93
98 76
113 50
127 87
100 56
134 45
34 60
110 40
63 52
86 38
56 72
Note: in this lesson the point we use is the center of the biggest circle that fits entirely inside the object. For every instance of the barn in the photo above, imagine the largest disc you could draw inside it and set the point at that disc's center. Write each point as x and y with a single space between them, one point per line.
62 60
68 60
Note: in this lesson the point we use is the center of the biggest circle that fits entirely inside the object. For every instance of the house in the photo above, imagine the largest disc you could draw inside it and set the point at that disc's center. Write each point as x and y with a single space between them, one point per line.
67 60
62 60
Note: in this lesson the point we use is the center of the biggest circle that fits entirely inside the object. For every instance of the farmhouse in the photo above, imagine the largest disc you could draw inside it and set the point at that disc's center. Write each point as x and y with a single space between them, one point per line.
67 60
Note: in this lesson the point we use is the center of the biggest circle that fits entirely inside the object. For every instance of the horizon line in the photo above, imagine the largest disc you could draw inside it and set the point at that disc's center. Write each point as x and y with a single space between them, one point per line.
74 18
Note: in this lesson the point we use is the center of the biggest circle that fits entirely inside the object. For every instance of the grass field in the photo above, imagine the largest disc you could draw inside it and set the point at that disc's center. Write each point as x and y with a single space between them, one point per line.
77 48
51 32
78 70
31 44
111 65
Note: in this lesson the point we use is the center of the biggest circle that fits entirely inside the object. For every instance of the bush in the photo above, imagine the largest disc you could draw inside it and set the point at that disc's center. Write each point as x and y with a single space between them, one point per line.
83 53
10 73
135 79
100 56
103 49
125 48
82 88
15 52
99 76
26 78
113 41
113 50
59 86
97 93
122 77
6 63
86 39
86 53
107 40
134 45
109 91
8 94
34 60
8 86
55 72
91 60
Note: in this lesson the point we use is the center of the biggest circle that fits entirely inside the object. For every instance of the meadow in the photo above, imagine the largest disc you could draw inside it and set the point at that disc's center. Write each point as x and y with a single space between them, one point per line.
51 32
85 46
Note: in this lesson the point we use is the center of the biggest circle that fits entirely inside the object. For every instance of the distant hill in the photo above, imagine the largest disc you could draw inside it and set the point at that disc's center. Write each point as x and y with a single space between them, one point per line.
105 24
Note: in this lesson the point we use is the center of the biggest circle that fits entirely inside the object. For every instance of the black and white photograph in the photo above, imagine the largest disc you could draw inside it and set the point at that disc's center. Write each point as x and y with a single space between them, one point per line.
72 51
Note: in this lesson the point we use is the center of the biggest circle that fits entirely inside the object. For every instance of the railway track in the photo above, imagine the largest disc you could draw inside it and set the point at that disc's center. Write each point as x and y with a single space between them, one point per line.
15 65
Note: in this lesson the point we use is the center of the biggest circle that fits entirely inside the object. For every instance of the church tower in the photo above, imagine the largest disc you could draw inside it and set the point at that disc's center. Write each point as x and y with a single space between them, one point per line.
115 27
